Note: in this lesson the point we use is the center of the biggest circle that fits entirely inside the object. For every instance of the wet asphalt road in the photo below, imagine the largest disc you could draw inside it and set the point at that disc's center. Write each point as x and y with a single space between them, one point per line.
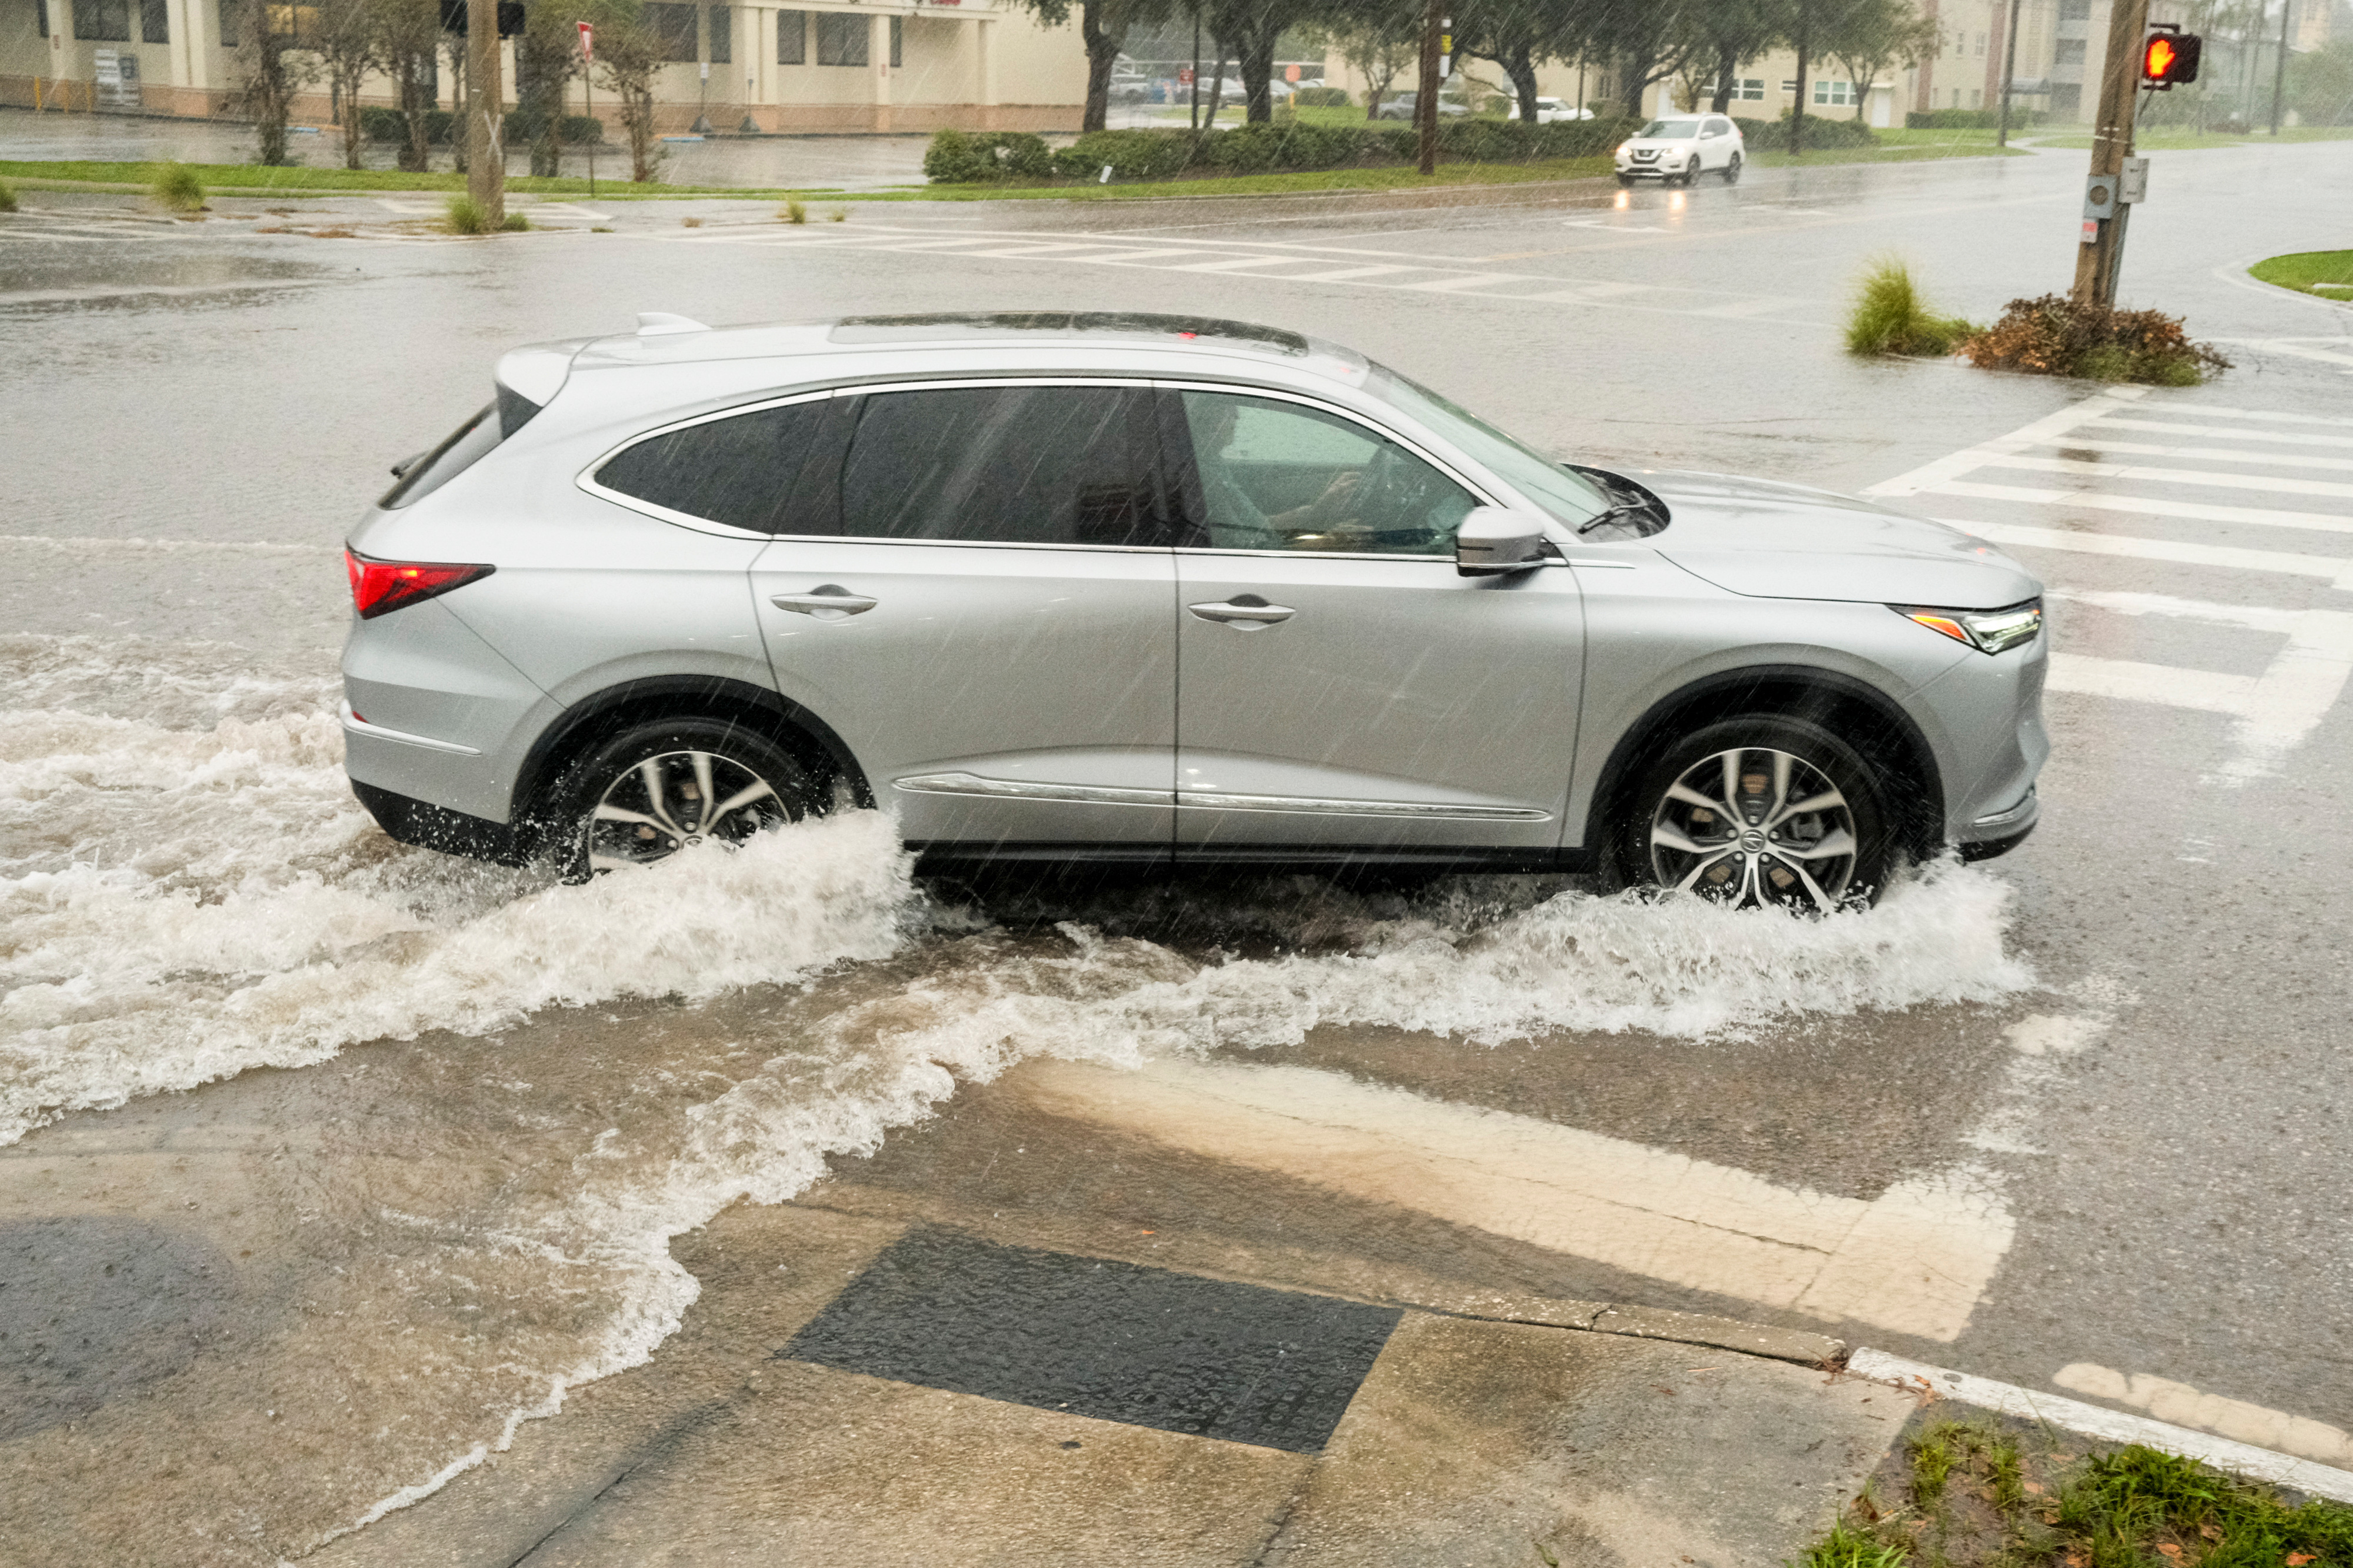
197 410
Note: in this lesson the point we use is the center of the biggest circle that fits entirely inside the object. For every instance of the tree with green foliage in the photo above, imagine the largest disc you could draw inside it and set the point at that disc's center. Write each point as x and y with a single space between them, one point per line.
1104 27
1651 40
272 67
409 40
1732 31
547 60
1519 35
346 41
1873 35
629 53
1380 41
2320 83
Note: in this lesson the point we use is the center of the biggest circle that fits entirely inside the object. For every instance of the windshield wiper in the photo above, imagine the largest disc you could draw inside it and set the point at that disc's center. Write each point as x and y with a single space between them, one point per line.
1618 513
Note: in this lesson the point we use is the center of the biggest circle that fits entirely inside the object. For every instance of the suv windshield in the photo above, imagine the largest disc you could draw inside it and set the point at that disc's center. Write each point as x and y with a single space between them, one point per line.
1671 131
1567 496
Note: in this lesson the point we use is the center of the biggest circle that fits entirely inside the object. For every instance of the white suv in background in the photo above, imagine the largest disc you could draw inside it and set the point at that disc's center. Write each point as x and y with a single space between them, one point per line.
1682 147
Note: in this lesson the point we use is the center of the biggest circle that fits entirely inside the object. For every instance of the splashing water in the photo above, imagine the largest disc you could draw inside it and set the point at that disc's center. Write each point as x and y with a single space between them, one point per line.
188 892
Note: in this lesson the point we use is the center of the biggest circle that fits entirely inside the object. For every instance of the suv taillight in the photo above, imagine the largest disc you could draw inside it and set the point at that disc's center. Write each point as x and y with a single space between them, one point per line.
380 587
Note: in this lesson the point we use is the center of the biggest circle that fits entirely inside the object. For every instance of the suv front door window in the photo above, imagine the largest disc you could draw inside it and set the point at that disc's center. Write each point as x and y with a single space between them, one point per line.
1341 683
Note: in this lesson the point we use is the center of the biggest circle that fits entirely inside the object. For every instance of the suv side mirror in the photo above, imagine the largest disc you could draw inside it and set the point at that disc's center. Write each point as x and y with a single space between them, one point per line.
1496 542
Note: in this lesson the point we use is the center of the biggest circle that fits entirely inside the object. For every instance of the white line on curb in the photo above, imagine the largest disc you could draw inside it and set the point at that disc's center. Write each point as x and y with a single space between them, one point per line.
2112 1425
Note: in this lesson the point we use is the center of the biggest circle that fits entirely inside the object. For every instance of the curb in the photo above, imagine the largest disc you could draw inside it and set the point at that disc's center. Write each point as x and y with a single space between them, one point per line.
2098 1421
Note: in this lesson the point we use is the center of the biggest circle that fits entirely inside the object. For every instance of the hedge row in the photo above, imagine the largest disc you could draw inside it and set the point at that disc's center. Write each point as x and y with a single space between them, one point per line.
959 158
1773 135
522 128
1971 119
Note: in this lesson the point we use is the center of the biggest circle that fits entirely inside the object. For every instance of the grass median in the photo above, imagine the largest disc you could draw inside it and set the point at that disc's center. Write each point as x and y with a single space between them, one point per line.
2327 274
261 180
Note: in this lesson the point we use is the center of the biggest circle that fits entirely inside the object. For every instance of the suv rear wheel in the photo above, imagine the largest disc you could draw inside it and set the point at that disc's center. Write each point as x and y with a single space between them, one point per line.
1759 810
645 793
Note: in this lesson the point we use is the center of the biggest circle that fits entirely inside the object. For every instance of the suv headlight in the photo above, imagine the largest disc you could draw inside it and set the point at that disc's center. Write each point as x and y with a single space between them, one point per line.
1988 631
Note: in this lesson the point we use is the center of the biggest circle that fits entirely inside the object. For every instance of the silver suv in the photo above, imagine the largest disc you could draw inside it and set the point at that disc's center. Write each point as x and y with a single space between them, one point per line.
1156 591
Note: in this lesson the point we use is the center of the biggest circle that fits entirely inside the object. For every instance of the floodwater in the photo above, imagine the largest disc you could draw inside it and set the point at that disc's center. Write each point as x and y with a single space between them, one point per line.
510 1095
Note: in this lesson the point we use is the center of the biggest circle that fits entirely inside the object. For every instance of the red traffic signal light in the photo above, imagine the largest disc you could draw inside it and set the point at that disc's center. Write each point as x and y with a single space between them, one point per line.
2169 58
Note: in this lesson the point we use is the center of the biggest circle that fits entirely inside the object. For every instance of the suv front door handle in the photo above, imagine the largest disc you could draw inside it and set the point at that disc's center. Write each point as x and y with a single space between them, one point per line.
1247 612
830 602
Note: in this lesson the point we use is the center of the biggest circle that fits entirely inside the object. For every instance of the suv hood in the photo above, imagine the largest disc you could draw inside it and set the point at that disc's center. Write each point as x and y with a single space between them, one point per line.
1773 541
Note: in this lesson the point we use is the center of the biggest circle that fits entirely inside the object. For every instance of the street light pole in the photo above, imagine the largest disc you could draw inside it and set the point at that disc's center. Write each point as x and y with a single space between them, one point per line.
2009 73
486 159
2112 143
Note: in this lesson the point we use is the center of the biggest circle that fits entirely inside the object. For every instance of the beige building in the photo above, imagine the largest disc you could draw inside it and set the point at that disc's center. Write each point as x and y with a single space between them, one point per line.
821 65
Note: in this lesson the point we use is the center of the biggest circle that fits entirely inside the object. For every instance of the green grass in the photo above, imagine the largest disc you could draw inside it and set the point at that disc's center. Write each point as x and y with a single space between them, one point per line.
259 179
2326 273
7 197
1890 318
2170 139
177 188
1987 1495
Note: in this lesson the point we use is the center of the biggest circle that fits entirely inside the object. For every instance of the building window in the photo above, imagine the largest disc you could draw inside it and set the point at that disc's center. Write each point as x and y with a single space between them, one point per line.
1981 41
842 38
1788 86
673 26
155 21
103 21
1977 97
1833 93
723 36
41 13
898 42
228 9
1750 90
792 37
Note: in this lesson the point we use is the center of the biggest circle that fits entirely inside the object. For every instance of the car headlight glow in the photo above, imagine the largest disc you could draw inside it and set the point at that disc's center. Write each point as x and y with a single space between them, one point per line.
1988 631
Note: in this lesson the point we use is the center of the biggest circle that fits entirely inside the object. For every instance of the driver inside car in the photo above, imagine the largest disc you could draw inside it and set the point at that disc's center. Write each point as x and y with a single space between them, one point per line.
1236 522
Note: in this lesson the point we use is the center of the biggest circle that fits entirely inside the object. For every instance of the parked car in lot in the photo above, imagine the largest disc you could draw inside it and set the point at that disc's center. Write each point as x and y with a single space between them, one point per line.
1550 110
687 583
1401 106
1682 147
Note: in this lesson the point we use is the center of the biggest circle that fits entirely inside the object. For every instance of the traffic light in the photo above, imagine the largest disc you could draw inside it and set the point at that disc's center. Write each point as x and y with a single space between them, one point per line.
2169 57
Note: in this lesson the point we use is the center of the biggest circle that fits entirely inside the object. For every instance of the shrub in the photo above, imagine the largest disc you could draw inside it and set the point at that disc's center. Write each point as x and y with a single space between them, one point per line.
392 125
516 223
178 188
792 212
524 125
1321 98
466 216
1971 119
1773 135
2055 336
1132 154
964 158
1889 318
7 197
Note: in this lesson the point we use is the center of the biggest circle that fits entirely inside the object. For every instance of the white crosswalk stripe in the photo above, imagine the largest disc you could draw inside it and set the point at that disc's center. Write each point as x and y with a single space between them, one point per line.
1271 263
2117 454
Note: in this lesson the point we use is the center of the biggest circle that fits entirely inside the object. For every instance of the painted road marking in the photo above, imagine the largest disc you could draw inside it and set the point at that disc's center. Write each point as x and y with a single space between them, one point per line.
2337 568
2183 1406
2302 348
2275 710
1916 1259
2278 437
1407 272
2092 1421
2149 506
1937 474
2204 479
2077 441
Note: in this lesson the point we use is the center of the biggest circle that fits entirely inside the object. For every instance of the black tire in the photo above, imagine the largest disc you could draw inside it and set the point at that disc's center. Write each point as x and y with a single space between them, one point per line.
1732 171
1627 181
1691 171
1790 863
612 775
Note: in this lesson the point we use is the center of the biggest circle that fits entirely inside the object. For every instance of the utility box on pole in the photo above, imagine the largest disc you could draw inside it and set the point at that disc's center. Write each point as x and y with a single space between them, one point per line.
2112 143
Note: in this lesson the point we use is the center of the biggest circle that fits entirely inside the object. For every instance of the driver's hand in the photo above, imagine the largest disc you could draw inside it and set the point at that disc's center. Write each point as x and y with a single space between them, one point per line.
1333 504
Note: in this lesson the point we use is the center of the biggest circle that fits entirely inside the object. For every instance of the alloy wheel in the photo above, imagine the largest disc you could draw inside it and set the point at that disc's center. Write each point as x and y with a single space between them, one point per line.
1753 826
658 806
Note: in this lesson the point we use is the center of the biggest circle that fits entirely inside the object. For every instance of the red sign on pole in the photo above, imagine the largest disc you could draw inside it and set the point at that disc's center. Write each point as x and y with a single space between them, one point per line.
588 41
1183 75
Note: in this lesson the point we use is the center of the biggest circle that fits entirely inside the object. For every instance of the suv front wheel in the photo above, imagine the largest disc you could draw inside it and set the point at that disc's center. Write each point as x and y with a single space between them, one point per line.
645 793
1759 810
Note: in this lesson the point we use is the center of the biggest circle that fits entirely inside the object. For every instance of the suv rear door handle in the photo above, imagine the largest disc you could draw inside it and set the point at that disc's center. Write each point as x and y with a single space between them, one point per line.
829 598
1245 614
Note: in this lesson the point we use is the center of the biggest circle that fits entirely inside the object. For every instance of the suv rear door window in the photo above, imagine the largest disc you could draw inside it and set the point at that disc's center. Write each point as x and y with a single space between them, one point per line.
1005 465
769 470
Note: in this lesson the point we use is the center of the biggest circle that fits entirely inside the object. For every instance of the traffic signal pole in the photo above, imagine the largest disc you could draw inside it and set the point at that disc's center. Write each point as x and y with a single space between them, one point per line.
2103 243
486 160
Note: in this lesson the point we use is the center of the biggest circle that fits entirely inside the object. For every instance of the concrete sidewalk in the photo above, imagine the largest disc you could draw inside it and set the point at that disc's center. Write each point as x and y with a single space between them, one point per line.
1572 1434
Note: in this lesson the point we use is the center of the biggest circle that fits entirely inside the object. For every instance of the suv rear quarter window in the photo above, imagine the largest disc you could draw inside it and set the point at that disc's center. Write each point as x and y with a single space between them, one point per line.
770 470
